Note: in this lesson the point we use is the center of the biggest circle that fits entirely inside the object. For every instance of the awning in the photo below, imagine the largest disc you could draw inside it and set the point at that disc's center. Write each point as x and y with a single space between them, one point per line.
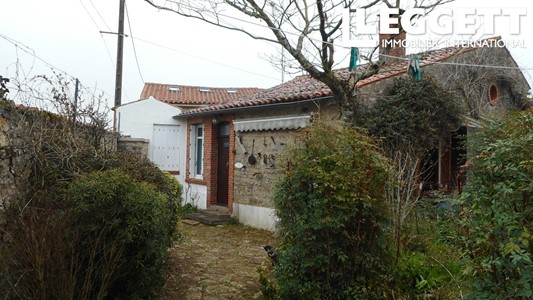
278 123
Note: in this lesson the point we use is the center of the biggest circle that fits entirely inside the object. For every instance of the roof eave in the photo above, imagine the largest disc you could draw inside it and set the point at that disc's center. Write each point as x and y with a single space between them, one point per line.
250 107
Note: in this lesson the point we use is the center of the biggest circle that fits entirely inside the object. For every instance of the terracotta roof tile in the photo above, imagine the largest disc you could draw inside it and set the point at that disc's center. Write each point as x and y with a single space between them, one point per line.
306 88
193 95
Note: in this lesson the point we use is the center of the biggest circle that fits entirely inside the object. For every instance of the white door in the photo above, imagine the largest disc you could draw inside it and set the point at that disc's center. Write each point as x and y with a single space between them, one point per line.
165 145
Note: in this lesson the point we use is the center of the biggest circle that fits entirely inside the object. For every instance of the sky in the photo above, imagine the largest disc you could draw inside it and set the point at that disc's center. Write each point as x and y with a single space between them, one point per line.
65 35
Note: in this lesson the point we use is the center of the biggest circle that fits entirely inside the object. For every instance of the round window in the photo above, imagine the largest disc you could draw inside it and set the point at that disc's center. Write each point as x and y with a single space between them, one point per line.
494 94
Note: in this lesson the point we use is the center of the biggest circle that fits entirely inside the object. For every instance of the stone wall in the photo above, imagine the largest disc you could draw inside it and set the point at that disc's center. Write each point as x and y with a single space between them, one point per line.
10 158
6 180
133 145
470 84
16 123
254 183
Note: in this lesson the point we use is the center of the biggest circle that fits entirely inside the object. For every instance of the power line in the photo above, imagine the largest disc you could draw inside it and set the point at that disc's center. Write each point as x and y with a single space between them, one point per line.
101 35
133 44
205 59
101 18
461 64
28 50
337 45
216 15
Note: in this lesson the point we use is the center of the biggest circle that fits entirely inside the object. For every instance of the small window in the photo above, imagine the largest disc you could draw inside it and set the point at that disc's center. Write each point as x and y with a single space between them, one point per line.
197 151
205 90
231 91
223 129
174 88
494 94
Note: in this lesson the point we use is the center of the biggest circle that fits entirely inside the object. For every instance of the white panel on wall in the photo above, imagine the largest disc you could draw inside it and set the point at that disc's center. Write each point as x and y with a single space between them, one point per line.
165 147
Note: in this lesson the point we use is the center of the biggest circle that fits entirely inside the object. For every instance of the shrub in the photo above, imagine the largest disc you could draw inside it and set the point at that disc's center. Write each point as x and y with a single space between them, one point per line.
411 119
133 214
498 216
72 235
431 264
333 214
142 169
414 114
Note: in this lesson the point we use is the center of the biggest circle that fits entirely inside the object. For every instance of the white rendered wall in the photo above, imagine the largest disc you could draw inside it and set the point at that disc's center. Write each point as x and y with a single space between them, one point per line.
255 216
195 194
137 119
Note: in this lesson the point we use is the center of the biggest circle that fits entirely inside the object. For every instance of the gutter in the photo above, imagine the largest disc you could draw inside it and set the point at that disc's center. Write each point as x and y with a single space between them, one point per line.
251 107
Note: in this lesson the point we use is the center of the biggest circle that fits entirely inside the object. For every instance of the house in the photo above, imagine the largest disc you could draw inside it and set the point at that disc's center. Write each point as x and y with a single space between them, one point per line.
147 126
234 147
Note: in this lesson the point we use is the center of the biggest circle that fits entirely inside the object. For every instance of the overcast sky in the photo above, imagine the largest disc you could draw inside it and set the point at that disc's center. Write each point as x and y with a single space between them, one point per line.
170 48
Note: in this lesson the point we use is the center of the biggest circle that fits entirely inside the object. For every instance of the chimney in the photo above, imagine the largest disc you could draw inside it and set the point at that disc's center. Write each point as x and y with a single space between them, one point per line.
393 44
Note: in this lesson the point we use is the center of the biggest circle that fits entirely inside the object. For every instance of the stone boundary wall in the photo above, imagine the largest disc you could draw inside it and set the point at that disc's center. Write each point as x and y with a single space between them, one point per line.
133 145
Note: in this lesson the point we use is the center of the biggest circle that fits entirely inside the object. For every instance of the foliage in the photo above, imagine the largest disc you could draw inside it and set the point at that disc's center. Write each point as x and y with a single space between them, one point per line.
412 118
415 114
497 213
78 226
419 272
133 214
106 235
432 263
333 215
267 282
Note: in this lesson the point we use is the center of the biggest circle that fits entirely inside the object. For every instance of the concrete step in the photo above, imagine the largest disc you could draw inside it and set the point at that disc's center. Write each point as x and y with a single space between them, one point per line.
210 216
218 208
215 214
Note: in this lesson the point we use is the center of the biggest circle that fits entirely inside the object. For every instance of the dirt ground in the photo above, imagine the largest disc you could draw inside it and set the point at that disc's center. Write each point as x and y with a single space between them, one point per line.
216 262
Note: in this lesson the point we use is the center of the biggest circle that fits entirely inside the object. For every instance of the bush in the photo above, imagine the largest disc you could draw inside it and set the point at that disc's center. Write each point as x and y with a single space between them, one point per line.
412 119
414 114
333 214
112 206
78 227
498 216
105 238
431 264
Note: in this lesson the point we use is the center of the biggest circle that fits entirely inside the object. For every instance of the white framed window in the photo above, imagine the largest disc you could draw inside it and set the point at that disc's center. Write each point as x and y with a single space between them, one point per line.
197 151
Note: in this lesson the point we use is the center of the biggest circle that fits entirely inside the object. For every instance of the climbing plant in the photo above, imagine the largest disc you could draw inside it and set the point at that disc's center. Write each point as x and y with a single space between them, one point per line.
411 118
414 114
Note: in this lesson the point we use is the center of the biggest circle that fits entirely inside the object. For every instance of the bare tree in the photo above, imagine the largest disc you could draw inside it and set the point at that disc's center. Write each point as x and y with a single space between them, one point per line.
308 31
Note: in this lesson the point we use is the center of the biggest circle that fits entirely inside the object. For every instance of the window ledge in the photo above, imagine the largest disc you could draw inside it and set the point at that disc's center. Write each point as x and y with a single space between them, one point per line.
196 181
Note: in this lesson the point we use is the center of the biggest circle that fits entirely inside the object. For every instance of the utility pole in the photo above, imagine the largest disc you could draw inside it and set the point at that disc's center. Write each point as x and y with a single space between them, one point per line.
120 52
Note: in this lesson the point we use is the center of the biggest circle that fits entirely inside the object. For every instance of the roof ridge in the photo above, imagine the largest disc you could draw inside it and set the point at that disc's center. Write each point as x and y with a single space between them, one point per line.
200 86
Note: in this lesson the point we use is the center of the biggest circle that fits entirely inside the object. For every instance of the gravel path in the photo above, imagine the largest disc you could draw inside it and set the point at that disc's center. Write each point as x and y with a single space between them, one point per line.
216 262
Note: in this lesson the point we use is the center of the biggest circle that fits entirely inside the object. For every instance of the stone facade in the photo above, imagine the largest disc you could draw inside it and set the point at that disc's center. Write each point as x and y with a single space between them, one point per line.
254 183
250 187
133 145
8 155
15 124
471 85
480 91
